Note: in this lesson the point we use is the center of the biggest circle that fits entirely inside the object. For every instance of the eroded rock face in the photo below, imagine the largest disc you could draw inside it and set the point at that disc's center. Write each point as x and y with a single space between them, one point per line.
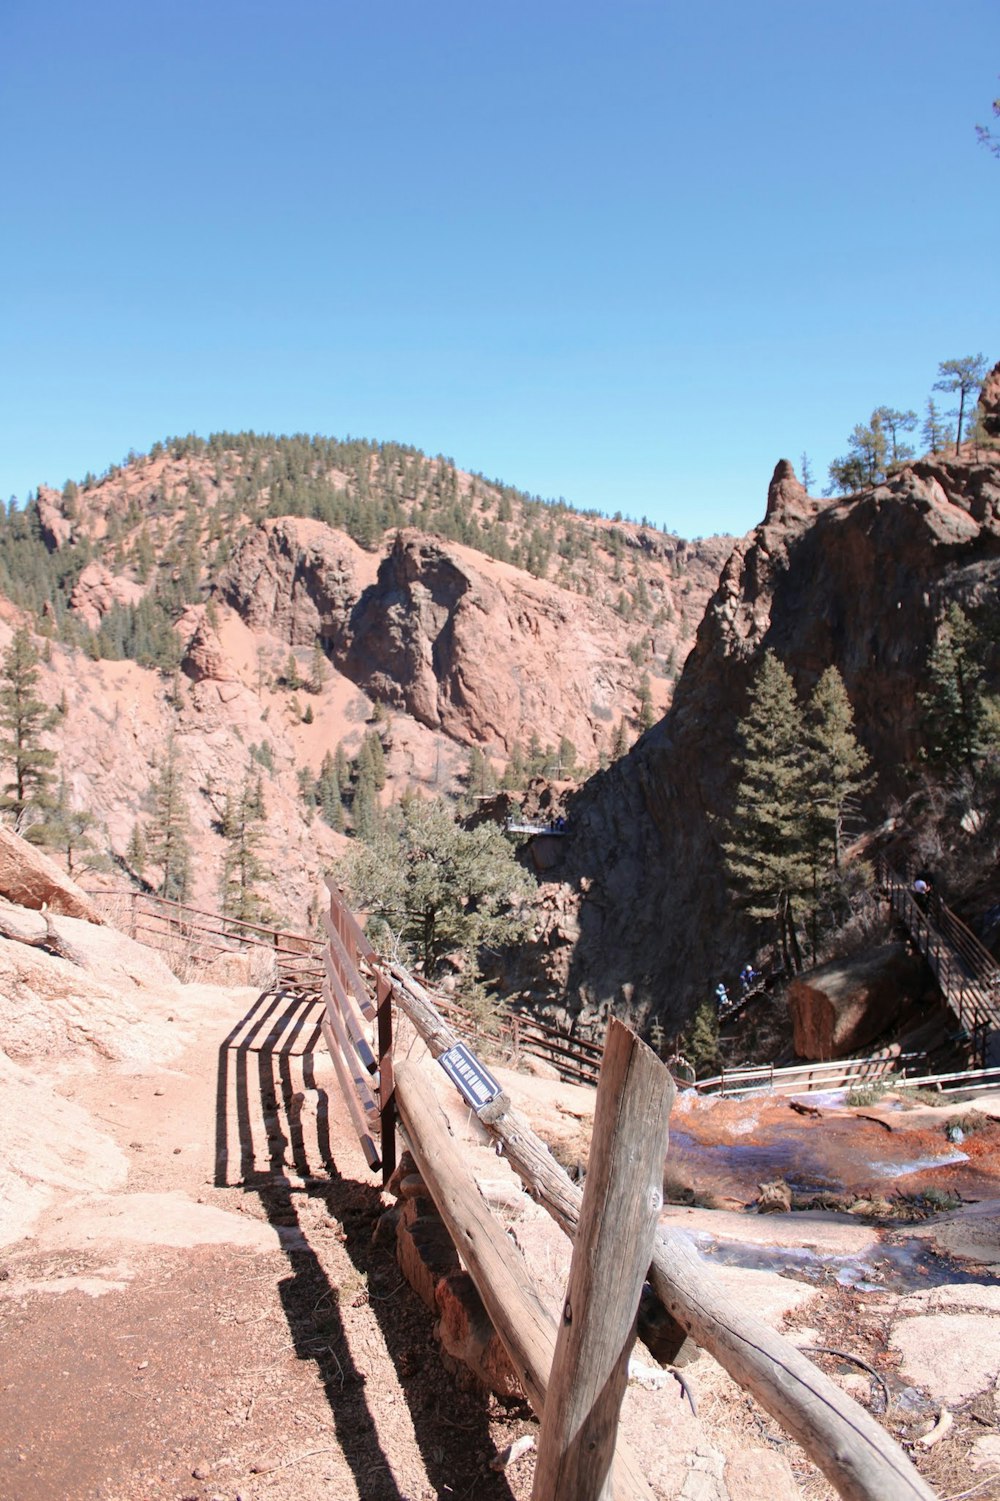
295 578
484 652
859 583
98 590
205 660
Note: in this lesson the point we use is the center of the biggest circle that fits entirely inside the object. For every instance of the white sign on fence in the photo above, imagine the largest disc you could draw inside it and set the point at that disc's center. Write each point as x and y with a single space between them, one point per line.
473 1080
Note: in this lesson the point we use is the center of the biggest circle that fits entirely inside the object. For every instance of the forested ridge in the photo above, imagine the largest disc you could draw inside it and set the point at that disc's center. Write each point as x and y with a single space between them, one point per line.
168 521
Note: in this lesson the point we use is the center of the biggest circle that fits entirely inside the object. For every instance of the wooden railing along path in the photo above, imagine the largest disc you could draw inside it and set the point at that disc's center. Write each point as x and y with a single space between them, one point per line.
203 936
574 1377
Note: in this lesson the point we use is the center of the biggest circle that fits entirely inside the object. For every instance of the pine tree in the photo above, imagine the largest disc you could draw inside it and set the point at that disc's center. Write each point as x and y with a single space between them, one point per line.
24 718
935 432
515 772
622 741
319 670
962 376
167 841
69 830
647 715
329 791
135 852
765 843
365 811
437 886
479 775
955 710
835 765
243 828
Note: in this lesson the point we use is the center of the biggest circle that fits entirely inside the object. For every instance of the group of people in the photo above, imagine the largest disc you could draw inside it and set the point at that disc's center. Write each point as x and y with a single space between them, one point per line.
748 979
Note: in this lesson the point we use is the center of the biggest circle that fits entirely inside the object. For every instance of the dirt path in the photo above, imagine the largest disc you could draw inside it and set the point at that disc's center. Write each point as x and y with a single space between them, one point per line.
225 1327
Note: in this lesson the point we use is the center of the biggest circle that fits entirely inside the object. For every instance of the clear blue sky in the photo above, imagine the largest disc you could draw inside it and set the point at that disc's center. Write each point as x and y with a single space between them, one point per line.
629 253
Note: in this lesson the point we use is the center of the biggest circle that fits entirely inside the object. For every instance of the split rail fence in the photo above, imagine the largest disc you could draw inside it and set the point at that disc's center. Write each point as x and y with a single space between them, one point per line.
574 1377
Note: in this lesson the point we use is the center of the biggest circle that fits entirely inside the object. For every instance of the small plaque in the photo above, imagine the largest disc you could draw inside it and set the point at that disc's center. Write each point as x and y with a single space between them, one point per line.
474 1081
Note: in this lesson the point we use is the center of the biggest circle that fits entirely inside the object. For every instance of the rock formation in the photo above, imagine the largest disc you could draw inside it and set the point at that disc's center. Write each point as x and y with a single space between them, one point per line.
860 583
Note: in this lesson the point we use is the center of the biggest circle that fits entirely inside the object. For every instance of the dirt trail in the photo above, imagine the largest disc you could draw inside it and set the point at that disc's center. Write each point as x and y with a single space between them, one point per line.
224 1327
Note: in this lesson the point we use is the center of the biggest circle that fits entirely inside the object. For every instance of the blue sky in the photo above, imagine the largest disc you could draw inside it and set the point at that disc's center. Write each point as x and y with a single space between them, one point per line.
629 254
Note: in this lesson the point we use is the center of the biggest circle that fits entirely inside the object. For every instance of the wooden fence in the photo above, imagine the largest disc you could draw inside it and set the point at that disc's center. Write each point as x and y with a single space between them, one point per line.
201 936
574 1381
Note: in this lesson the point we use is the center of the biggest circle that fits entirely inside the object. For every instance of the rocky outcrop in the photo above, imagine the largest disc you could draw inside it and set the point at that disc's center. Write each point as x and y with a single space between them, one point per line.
481 651
97 591
294 578
838 1009
859 583
29 878
205 659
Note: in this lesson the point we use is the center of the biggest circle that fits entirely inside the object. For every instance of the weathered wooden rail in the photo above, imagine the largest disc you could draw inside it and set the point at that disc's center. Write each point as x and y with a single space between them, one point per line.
203 936
855 1453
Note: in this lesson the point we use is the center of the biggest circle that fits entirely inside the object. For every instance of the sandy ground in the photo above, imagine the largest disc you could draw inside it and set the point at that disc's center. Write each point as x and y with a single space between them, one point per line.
224 1326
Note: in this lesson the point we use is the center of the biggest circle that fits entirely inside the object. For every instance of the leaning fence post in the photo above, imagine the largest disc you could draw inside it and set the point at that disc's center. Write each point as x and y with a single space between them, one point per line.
622 1199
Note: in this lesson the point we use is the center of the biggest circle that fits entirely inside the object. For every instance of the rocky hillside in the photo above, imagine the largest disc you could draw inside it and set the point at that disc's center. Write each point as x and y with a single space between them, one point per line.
266 600
641 917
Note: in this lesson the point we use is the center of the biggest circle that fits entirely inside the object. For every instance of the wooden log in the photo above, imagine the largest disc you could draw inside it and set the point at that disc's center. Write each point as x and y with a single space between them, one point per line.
856 1455
621 1206
522 1321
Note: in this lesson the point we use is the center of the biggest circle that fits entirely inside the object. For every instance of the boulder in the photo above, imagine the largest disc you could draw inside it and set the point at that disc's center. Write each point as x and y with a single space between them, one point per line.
30 879
840 1008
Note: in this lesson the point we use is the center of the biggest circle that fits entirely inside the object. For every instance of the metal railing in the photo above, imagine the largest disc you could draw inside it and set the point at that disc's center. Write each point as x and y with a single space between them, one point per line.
967 973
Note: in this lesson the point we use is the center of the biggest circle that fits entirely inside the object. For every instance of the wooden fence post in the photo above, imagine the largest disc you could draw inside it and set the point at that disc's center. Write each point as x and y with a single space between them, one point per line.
622 1198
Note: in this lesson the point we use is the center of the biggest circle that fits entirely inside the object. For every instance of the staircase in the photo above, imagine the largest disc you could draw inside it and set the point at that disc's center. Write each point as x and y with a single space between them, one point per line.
966 972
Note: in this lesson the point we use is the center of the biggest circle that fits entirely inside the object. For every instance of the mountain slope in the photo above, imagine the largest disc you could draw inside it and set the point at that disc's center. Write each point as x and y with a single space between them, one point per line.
266 600
642 919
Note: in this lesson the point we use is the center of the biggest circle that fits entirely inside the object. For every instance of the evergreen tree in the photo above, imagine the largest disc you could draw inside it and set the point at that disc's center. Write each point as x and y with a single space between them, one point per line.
319 671
365 810
135 852
567 761
865 462
167 841
701 1041
962 376
935 432
955 708
835 765
24 718
479 775
805 472
515 772
893 423
765 843
437 886
329 791
647 715
622 741
243 829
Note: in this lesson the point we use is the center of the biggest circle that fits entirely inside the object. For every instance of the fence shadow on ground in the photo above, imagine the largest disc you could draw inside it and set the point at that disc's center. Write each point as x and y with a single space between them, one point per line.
268 1145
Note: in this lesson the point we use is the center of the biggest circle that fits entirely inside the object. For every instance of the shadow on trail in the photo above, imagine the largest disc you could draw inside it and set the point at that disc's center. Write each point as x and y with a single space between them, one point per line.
266 1064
